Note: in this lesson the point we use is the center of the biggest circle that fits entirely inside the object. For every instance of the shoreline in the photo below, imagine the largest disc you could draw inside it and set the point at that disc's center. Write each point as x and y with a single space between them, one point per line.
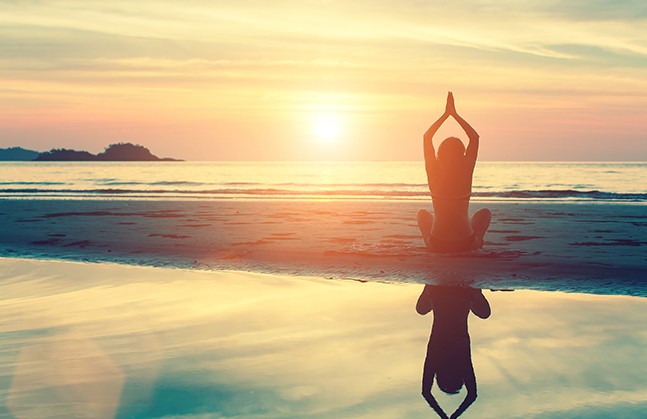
318 198
286 276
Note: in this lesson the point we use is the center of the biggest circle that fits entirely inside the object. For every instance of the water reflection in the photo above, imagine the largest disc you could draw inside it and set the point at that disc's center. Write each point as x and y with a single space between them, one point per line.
85 340
449 357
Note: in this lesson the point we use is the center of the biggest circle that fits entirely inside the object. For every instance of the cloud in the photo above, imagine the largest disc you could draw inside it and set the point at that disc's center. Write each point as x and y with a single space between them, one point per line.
379 58
624 10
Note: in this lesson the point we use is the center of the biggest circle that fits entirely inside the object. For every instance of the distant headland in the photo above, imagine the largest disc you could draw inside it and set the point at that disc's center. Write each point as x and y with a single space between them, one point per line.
114 152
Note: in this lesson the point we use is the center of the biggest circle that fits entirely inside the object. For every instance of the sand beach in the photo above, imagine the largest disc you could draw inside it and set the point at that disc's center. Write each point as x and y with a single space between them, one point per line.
584 247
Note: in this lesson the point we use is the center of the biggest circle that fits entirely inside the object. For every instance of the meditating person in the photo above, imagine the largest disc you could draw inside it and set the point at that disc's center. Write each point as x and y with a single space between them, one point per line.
449 356
449 174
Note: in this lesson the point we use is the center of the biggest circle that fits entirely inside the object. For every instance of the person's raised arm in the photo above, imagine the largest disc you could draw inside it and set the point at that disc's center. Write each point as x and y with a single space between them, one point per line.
431 400
430 152
470 397
427 383
473 146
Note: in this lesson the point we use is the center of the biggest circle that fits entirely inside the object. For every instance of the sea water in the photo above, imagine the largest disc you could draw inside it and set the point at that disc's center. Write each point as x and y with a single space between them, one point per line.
169 343
589 181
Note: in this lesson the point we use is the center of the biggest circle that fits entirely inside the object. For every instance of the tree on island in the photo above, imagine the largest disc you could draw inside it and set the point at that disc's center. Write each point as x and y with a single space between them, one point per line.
17 154
114 152
63 154
126 152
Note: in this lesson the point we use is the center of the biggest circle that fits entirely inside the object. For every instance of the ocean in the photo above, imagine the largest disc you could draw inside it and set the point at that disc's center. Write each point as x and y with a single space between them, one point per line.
293 287
537 181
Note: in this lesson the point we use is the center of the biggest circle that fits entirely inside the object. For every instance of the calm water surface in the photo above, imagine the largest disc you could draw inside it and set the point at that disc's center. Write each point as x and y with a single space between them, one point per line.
366 180
83 340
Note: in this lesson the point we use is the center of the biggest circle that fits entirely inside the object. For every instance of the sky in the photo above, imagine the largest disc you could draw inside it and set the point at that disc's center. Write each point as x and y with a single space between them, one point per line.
325 80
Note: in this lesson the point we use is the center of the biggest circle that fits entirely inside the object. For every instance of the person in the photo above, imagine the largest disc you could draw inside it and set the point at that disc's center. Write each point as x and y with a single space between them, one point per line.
449 175
449 357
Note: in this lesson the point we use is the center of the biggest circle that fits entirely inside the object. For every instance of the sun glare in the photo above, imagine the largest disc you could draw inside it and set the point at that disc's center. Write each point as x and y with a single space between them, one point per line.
326 127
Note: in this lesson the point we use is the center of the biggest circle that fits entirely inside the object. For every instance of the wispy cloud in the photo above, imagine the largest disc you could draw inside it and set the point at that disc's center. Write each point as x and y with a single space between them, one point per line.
259 55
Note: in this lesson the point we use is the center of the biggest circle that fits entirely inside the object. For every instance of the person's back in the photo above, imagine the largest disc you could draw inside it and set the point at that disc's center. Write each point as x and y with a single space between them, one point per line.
450 186
449 175
451 306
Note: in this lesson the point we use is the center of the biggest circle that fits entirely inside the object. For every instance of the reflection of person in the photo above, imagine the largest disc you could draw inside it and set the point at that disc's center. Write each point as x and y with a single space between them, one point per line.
450 181
449 357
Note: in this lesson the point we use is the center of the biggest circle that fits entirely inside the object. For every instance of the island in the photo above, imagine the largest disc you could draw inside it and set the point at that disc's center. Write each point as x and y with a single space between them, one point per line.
114 152
17 154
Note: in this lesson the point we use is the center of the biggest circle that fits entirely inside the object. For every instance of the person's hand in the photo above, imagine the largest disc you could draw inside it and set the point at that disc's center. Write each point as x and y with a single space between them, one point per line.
450 108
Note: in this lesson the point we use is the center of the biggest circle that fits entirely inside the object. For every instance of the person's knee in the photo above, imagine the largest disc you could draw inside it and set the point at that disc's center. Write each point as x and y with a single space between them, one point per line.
425 217
422 308
482 218
480 223
485 213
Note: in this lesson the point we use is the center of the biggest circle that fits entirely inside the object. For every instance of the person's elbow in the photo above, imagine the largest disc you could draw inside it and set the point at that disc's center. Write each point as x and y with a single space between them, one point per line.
426 394
471 396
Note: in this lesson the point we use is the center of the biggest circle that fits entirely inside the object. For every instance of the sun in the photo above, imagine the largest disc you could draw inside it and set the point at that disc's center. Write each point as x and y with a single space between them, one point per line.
326 127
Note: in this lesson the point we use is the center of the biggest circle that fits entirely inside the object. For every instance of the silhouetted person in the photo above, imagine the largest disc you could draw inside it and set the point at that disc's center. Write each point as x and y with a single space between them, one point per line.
449 175
449 357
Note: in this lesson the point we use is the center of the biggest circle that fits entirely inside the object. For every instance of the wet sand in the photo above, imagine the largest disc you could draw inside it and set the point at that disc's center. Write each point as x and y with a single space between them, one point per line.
581 247
103 340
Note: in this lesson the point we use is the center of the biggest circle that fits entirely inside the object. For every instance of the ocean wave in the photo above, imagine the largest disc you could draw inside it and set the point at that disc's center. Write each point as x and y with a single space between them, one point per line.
323 186
564 194
32 183
162 183
388 191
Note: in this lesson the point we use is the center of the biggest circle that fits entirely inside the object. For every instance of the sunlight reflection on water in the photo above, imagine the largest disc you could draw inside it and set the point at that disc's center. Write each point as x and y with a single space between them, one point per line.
144 342
311 180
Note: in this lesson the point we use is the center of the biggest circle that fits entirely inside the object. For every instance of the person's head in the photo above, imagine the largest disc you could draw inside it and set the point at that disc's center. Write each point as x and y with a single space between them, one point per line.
453 361
450 380
451 150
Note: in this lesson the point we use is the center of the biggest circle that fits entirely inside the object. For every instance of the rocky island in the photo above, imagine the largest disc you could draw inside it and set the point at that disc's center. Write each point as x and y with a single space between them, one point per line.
17 154
114 152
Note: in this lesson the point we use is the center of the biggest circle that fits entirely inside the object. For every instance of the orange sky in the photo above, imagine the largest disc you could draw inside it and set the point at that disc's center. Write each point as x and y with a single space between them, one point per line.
249 80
